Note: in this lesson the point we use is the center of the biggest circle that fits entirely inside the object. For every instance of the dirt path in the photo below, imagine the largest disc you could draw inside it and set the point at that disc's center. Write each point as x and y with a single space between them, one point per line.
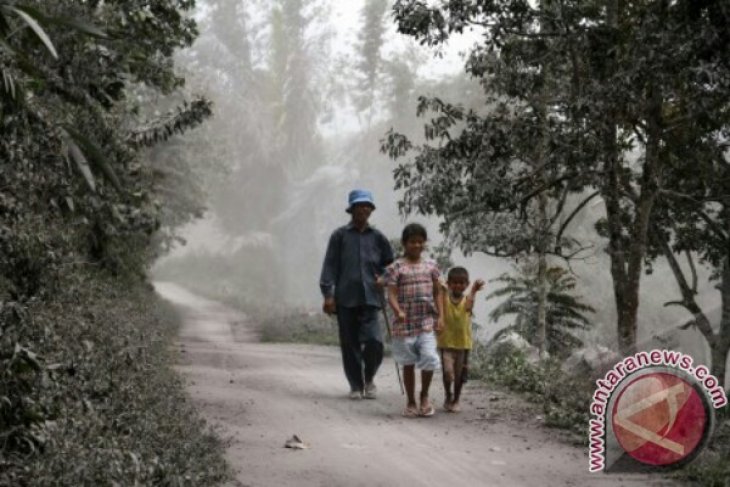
260 394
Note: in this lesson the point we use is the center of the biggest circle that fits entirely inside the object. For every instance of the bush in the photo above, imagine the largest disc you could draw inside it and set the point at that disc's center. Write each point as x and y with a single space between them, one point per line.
99 403
712 467
565 399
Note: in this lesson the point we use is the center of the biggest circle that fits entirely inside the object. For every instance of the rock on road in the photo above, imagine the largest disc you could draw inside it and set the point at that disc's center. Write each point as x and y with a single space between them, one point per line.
260 394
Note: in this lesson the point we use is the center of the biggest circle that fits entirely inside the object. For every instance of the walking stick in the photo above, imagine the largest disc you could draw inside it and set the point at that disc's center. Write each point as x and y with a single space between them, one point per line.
390 337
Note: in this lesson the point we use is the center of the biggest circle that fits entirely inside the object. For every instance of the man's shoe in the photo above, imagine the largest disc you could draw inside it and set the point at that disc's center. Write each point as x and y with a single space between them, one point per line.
355 395
371 392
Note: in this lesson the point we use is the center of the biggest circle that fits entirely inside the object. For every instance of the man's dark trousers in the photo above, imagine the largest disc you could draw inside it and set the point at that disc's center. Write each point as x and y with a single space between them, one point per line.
361 342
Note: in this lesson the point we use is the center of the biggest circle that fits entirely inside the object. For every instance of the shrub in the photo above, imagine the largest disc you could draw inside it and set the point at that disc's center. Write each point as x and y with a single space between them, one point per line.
565 399
100 403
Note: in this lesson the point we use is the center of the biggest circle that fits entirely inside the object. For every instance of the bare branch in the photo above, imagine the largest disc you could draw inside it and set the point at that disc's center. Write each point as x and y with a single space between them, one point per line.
688 301
687 325
689 197
572 255
572 215
496 253
693 270
639 135
561 205
547 186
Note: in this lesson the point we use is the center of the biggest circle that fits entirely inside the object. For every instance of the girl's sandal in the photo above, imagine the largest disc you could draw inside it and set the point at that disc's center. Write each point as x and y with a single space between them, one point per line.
410 412
428 411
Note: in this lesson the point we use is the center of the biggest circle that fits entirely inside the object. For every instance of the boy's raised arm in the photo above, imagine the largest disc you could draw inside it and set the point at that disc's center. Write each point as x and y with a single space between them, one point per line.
471 297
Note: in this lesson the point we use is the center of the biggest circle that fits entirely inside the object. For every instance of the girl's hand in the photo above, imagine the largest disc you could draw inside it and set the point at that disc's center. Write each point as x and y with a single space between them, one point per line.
478 285
440 325
400 316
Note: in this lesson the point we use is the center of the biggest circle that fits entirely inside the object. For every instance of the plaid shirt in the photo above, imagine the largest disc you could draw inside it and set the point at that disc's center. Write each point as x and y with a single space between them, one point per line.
415 282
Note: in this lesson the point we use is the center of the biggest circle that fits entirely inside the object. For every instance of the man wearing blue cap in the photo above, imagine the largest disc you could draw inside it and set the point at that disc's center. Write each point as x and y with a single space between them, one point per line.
356 255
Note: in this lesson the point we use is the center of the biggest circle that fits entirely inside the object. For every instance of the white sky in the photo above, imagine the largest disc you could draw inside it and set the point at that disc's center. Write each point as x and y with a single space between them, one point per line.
347 20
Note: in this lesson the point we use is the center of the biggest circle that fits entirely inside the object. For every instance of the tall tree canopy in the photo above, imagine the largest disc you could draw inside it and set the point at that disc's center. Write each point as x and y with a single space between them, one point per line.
599 89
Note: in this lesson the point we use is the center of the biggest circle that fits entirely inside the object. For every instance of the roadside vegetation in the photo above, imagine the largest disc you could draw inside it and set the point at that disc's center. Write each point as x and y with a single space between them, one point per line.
88 95
563 399
96 402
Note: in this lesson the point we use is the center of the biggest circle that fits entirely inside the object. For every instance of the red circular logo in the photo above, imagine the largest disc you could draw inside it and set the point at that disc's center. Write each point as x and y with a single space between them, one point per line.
659 419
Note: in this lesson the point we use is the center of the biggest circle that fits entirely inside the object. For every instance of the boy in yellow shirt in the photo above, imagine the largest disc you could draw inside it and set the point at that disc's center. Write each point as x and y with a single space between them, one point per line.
455 341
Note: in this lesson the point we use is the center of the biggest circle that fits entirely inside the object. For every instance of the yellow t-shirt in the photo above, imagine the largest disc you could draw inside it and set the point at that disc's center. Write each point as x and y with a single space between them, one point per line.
457 326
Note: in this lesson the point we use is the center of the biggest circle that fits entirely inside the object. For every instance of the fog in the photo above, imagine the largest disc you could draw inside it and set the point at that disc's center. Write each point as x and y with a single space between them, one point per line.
304 90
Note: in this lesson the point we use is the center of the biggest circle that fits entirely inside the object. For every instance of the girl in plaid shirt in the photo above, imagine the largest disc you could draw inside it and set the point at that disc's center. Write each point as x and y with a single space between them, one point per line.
413 293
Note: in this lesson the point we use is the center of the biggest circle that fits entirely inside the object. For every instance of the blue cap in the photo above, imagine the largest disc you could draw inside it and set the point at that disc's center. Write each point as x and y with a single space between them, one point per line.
359 196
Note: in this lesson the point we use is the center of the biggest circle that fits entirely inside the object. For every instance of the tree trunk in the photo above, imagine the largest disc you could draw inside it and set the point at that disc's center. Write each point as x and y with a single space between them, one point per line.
541 336
722 346
611 193
626 267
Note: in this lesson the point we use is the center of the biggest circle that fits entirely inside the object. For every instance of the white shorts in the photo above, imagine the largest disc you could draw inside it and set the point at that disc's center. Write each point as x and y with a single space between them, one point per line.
419 350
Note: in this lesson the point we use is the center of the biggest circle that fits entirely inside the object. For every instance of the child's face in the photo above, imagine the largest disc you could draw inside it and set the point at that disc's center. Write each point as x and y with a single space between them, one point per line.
457 285
414 246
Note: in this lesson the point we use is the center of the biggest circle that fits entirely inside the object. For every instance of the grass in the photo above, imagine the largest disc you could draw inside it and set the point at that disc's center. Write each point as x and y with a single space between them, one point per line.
296 327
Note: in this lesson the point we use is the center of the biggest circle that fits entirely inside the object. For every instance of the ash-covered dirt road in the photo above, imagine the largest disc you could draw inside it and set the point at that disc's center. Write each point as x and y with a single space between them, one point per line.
259 395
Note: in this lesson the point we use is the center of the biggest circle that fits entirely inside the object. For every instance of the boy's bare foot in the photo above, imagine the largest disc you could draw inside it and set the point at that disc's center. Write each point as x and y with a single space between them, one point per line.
455 408
447 404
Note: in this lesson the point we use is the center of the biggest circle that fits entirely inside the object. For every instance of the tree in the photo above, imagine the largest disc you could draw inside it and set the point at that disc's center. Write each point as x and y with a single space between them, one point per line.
522 135
242 135
370 43
564 312
75 192
615 83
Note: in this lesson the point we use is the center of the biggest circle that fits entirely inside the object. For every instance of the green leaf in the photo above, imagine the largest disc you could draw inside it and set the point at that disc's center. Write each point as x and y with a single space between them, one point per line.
96 156
8 83
37 29
79 25
75 153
